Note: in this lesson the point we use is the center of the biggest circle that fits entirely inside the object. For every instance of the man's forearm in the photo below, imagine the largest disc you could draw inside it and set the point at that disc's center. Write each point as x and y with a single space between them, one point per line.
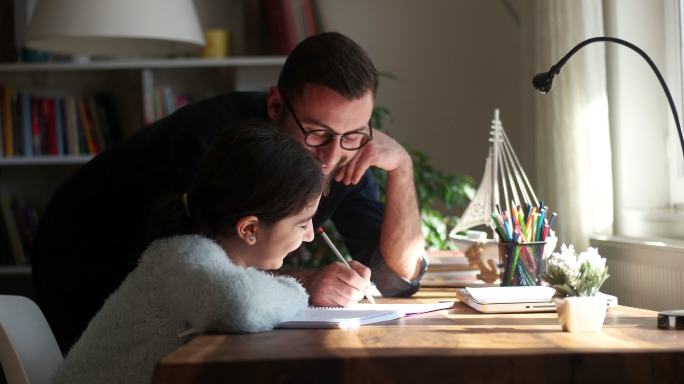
401 240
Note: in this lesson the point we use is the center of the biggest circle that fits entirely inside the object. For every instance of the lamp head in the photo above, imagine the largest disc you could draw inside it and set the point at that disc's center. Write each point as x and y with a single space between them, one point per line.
543 81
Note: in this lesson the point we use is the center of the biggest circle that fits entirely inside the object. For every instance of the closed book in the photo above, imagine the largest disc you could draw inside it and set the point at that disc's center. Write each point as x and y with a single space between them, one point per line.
7 122
27 137
98 134
149 114
50 119
159 104
106 111
16 245
16 125
6 257
71 117
280 26
310 18
86 126
19 213
59 124
36 134
298 20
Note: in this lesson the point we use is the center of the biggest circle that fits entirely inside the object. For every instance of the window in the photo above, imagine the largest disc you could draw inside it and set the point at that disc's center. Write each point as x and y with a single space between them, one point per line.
647 157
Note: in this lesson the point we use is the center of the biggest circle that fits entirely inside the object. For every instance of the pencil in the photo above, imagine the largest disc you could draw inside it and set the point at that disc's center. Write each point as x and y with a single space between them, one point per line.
342 259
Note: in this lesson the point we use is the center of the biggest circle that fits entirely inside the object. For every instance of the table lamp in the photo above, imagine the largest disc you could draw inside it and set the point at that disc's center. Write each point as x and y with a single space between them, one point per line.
115 27
543 83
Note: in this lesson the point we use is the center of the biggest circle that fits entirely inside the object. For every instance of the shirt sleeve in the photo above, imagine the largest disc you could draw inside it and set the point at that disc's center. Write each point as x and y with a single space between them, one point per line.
200 285
389 283
358 219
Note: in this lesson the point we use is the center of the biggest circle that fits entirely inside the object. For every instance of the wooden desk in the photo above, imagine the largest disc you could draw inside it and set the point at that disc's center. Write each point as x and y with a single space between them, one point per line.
458 345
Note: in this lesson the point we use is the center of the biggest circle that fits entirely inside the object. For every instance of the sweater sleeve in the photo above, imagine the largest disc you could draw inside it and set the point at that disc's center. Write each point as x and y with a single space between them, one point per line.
198 283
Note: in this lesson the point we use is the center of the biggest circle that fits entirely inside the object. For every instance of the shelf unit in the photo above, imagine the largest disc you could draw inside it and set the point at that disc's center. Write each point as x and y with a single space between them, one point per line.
194 62
34 179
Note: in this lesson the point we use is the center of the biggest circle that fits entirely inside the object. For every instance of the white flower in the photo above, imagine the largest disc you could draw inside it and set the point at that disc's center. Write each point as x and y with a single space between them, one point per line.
574 275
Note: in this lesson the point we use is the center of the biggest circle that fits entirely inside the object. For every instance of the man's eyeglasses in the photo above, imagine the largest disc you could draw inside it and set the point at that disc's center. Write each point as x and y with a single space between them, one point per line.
321 137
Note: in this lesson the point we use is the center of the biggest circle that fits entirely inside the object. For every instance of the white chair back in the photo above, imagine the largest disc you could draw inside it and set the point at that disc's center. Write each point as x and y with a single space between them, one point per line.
28 350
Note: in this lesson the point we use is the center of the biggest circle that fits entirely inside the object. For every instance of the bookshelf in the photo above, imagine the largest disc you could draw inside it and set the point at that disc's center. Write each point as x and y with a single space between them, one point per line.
256 27
32 179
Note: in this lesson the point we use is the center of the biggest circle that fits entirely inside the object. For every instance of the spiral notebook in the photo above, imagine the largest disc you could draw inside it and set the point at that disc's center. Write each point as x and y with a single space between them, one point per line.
358 315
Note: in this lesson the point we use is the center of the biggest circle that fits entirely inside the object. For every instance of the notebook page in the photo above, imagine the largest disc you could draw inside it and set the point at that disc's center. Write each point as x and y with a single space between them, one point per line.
407 309
316 317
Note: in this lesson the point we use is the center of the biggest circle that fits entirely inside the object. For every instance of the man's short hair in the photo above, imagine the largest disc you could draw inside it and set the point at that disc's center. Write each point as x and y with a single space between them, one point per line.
330 59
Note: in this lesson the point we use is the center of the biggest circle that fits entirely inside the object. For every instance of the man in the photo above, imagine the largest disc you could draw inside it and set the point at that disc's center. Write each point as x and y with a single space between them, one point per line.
91 234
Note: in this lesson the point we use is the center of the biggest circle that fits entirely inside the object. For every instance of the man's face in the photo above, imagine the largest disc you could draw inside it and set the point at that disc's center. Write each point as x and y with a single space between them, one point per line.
319 107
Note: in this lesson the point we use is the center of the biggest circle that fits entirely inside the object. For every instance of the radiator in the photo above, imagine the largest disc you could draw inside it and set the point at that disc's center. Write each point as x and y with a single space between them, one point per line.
644 274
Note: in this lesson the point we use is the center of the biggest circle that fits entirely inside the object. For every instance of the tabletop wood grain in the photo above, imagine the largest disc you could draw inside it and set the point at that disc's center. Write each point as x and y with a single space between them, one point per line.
458 344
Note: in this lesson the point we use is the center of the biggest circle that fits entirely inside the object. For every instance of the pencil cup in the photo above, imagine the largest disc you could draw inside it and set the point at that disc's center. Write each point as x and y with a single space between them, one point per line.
520 263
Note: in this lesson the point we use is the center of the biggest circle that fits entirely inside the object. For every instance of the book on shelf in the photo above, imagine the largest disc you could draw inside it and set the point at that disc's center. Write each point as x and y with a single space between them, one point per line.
160 101
289 22
7 121
35 125
18 225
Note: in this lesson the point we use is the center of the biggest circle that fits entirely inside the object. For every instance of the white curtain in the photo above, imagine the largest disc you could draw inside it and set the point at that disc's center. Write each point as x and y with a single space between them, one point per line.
573 172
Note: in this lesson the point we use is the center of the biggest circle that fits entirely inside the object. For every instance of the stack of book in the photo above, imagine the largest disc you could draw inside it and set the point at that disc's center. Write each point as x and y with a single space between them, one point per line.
450 269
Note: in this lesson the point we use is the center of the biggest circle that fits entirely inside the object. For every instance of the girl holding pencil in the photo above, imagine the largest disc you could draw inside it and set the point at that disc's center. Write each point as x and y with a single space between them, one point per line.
251 204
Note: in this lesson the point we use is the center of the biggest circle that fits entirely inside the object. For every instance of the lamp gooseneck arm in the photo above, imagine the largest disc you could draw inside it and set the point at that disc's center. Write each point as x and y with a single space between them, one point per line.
556 69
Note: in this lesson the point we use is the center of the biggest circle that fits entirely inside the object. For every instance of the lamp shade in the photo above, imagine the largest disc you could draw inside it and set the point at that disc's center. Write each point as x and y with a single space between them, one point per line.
115 27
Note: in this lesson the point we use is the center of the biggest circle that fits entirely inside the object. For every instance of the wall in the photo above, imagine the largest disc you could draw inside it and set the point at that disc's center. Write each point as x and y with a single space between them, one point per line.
455 62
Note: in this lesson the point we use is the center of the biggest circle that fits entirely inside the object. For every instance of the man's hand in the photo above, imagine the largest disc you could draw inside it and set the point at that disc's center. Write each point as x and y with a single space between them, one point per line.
382 152
338 286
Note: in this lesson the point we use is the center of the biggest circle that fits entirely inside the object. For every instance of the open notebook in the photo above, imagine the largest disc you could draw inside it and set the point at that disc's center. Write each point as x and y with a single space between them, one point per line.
358 314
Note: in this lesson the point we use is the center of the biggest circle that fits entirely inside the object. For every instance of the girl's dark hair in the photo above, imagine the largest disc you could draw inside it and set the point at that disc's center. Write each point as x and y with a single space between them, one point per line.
250 169
330 59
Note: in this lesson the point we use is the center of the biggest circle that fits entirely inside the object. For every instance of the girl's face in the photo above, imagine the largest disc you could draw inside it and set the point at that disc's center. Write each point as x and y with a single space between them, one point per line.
277 240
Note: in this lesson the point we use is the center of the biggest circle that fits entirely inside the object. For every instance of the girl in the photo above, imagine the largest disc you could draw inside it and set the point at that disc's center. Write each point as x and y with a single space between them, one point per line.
251 204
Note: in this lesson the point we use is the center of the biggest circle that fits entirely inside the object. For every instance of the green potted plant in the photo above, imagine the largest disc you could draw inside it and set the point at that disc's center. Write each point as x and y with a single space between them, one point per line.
577 279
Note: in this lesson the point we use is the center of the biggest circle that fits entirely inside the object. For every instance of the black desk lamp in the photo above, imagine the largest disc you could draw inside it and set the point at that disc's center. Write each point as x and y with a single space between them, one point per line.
544 80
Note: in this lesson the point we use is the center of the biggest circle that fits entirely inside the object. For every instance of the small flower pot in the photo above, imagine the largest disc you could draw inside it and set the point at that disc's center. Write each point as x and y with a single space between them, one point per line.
581 314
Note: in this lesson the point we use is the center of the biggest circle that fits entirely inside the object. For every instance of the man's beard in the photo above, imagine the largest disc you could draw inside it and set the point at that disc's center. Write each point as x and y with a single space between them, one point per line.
330 177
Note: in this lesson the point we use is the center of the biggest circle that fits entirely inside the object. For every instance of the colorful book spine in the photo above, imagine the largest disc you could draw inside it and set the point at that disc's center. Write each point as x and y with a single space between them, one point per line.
86 126
59 125
7 123
51 123
98 135
35 126
71 126
27 139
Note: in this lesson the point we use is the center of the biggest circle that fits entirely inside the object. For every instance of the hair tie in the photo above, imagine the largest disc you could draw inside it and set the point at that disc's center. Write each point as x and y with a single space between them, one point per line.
184 197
